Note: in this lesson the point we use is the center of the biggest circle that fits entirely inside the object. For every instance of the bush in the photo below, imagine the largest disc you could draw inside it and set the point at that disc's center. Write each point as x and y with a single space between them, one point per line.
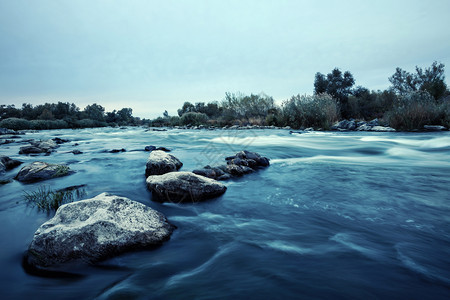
15 124
318 111
48 124
88 123
194 119
414 110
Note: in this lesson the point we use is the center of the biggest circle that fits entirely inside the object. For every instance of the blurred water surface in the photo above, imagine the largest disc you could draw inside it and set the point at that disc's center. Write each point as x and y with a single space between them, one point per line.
336 215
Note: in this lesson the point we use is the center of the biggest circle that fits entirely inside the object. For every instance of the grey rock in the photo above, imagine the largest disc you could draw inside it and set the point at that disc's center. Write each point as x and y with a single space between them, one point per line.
5 142
382 129
149 148
344 125
39 147
206 173
364 127
76 152
117 150
95 229
7 163
59 141
184 187
163 149
374 122
38 171
160 162
4 131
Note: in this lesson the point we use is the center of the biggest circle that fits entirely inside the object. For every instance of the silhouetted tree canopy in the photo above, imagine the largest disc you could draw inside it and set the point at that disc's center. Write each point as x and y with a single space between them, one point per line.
431 80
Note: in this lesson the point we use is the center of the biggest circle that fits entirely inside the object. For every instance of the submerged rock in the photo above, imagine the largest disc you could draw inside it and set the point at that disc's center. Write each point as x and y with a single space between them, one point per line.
117 150
76 152
60 141
160 162
38 171
184 187
95 229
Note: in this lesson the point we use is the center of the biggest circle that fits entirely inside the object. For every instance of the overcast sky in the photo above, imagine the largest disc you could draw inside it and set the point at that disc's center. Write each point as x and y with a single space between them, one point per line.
154 55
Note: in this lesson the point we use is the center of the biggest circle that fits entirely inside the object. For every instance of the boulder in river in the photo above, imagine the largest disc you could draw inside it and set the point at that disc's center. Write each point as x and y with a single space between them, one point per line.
7 163
160 162
38 171
184 187
95 229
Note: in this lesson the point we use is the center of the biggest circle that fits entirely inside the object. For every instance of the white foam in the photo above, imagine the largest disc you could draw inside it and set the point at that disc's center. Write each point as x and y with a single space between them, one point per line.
203 267
348 241
287 247
433 143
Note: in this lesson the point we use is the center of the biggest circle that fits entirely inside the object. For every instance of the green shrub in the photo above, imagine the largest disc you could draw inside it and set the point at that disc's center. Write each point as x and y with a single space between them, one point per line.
318 111
194 119
48 124
414 110
88 123
15 124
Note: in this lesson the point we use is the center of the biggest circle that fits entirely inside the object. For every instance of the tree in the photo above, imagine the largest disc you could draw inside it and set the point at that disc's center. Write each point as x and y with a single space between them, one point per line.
431 80
125 115
336 84
187 107
95 112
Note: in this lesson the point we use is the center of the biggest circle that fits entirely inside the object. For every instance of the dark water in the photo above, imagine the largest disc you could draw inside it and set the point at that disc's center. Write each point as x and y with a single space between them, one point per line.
335 216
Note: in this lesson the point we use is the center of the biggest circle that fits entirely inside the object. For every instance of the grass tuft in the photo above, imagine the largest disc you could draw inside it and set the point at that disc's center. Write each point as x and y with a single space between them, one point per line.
44 198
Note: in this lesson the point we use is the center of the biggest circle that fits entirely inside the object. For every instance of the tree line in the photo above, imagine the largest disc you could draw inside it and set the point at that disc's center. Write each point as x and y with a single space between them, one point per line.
63 115
413 100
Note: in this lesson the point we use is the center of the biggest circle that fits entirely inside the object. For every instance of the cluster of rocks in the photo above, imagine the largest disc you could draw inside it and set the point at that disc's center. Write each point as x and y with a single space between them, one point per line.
169 185
226 127
352 125
6 131
244 162
46 147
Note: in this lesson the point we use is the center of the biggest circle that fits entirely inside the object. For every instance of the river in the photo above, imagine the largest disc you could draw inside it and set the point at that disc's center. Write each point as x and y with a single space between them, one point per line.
351 215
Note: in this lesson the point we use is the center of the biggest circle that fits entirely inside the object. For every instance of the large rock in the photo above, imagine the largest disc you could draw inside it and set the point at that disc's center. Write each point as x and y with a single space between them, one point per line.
95 229
7 163
160 162
38 171
184 187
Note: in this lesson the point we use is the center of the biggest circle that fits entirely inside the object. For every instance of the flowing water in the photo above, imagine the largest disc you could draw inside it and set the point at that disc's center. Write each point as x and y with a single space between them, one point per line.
335 216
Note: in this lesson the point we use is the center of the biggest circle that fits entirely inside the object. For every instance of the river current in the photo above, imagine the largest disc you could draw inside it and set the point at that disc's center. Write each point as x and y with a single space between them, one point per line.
351 215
